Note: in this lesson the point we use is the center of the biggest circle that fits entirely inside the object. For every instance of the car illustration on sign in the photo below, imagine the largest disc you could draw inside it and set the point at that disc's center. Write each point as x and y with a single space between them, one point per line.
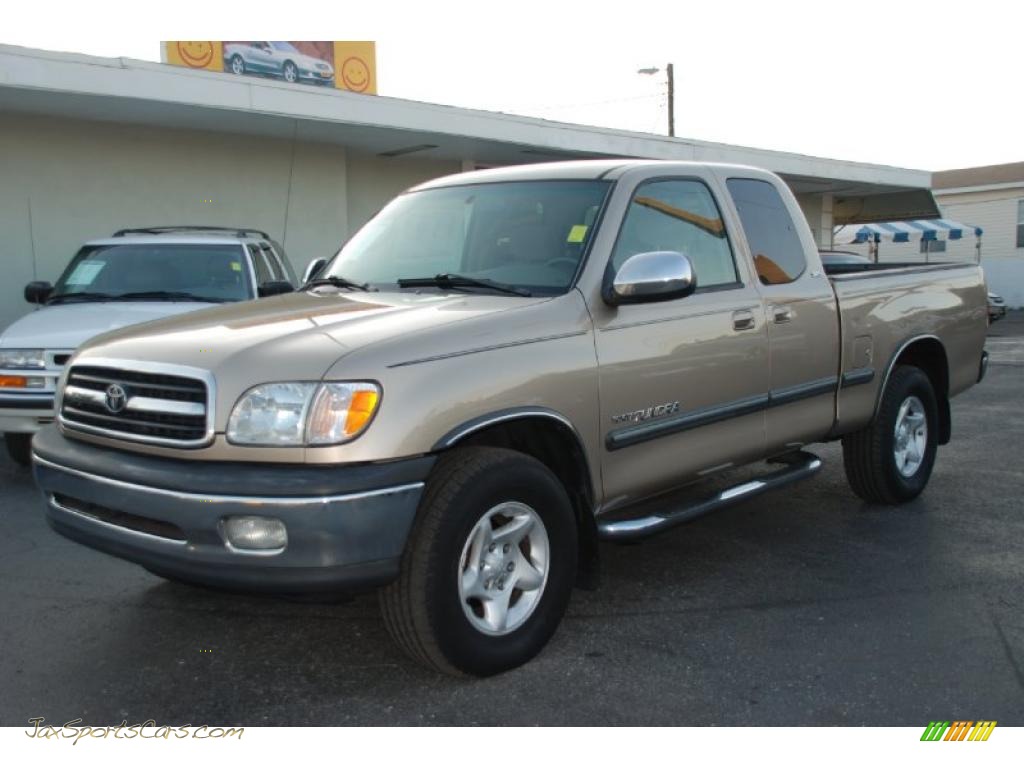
276 59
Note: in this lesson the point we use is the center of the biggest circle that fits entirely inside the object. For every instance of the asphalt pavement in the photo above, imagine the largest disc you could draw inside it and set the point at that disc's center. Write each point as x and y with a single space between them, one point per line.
802 607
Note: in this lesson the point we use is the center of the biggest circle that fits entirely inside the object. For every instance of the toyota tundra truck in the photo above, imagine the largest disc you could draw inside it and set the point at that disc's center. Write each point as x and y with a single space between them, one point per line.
499 371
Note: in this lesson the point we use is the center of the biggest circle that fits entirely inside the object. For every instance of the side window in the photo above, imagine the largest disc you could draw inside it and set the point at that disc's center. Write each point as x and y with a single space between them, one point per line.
259 263
275 265
678 216
1020 223
282 258
778 253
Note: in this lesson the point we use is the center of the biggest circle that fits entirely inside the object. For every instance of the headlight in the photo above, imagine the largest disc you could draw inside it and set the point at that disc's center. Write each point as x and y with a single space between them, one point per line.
22 358
303 413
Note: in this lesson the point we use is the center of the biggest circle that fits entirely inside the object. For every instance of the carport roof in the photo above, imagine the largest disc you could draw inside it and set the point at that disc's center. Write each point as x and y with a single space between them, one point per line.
137 92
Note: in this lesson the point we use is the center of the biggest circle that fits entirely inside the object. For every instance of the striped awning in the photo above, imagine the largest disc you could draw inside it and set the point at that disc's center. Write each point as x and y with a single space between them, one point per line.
906 231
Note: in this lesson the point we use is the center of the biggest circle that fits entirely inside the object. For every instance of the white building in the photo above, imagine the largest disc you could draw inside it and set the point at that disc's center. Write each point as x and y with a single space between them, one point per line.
991 197
90 145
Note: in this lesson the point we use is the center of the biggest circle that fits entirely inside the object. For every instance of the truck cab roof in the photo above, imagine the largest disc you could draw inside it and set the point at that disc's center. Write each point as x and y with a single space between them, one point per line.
611 169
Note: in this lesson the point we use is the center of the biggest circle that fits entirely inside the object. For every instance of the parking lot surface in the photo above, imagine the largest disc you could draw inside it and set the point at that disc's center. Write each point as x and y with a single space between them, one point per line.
802 607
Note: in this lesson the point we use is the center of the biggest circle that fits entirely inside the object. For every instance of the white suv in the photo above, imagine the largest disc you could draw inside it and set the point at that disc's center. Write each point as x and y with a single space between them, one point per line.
134 276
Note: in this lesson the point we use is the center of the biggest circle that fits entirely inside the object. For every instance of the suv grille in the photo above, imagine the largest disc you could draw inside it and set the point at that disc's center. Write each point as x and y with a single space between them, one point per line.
148 407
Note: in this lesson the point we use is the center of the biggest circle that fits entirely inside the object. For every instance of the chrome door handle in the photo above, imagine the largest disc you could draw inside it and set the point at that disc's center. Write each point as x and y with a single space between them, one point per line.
782 314
742 320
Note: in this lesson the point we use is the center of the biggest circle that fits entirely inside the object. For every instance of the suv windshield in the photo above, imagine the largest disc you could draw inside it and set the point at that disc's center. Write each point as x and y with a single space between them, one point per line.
530 235
178 271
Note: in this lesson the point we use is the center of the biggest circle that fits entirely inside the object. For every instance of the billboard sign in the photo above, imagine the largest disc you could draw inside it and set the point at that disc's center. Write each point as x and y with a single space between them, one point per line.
348 65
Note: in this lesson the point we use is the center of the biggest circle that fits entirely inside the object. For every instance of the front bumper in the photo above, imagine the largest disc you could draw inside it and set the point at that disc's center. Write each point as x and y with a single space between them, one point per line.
346 526
25 413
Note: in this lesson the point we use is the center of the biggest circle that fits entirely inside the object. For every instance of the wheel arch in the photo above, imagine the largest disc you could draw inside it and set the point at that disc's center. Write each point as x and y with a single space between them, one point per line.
551 438
927 353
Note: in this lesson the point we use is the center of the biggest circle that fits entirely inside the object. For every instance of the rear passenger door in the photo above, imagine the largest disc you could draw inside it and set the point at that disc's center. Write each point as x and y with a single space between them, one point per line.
803 322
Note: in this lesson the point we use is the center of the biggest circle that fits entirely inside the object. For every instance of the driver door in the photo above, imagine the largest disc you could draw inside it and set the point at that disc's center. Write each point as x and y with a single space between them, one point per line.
684 382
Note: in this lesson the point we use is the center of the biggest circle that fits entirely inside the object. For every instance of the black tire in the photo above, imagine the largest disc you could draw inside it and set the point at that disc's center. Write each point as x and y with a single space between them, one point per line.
19 447
290 72
237 65
423 610
869 454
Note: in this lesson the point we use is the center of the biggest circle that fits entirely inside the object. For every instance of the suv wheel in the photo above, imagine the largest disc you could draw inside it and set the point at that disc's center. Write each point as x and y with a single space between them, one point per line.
19 447
891 460
489 567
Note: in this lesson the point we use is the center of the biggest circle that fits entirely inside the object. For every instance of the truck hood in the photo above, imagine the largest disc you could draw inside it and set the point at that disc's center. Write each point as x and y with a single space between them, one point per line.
66 326
295 336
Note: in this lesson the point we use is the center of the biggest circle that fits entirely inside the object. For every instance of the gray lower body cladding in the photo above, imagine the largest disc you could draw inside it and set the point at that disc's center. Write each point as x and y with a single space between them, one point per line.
346 526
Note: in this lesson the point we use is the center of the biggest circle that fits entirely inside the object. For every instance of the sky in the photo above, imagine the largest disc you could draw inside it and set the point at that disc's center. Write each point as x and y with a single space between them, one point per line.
927 85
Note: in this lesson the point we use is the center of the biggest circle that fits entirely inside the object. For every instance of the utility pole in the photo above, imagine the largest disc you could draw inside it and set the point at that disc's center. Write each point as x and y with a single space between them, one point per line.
671 100
671 93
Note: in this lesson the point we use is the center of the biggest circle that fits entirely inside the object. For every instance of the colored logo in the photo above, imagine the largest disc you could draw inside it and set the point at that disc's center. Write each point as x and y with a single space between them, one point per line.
195 53
959 730
116 398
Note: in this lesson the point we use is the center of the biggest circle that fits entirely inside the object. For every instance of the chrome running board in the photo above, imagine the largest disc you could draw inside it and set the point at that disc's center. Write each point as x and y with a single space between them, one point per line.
799 465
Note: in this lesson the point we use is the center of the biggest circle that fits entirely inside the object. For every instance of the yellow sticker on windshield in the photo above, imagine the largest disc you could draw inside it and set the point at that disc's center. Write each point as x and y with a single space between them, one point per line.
577 233
236 266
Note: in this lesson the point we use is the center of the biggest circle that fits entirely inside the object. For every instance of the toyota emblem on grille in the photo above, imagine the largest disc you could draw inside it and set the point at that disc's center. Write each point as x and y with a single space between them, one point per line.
116 398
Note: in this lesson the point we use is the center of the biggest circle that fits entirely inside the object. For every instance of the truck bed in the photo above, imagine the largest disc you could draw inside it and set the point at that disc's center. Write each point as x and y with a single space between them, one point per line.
885 307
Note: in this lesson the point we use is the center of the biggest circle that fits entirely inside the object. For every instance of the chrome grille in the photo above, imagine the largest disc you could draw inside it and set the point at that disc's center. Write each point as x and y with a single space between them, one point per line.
146 406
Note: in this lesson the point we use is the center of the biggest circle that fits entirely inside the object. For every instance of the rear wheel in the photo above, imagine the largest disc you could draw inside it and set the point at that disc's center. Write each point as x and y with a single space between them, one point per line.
489 567
237 65
890 461
19 447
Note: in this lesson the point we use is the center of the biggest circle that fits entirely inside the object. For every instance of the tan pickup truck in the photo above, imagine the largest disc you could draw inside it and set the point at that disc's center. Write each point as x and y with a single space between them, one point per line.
498 371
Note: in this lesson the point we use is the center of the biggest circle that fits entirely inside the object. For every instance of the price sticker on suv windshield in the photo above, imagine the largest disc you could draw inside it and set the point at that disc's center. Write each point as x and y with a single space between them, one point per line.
577 233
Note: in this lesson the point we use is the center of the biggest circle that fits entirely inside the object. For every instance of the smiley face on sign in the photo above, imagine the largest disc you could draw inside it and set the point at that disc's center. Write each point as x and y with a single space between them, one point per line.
355 74
196 54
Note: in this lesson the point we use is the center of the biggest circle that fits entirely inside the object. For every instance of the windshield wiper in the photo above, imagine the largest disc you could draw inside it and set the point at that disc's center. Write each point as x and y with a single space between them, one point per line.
81 296
337 282
169 295
451 280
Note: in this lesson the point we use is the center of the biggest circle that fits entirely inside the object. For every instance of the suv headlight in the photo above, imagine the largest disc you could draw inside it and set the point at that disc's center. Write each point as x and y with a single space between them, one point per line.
303 413
22 358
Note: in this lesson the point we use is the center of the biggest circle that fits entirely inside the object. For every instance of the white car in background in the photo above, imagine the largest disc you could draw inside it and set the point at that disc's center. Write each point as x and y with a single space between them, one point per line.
135 276
277 59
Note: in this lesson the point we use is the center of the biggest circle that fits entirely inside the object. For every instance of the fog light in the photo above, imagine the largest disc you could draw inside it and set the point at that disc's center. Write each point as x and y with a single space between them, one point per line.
255 534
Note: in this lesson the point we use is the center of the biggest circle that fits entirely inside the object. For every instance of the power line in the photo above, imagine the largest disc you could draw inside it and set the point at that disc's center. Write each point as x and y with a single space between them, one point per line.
659 95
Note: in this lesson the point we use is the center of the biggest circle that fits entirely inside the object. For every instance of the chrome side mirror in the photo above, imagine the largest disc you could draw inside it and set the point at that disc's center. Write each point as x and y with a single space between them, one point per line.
651 276
313 269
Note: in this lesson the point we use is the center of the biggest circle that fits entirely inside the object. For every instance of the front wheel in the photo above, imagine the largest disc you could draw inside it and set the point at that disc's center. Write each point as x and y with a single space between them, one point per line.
891 460
19 448
489 567
291 73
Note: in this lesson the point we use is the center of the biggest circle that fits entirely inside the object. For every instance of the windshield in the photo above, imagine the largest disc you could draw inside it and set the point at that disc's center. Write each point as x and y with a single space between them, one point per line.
284 47
531 235
203 272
